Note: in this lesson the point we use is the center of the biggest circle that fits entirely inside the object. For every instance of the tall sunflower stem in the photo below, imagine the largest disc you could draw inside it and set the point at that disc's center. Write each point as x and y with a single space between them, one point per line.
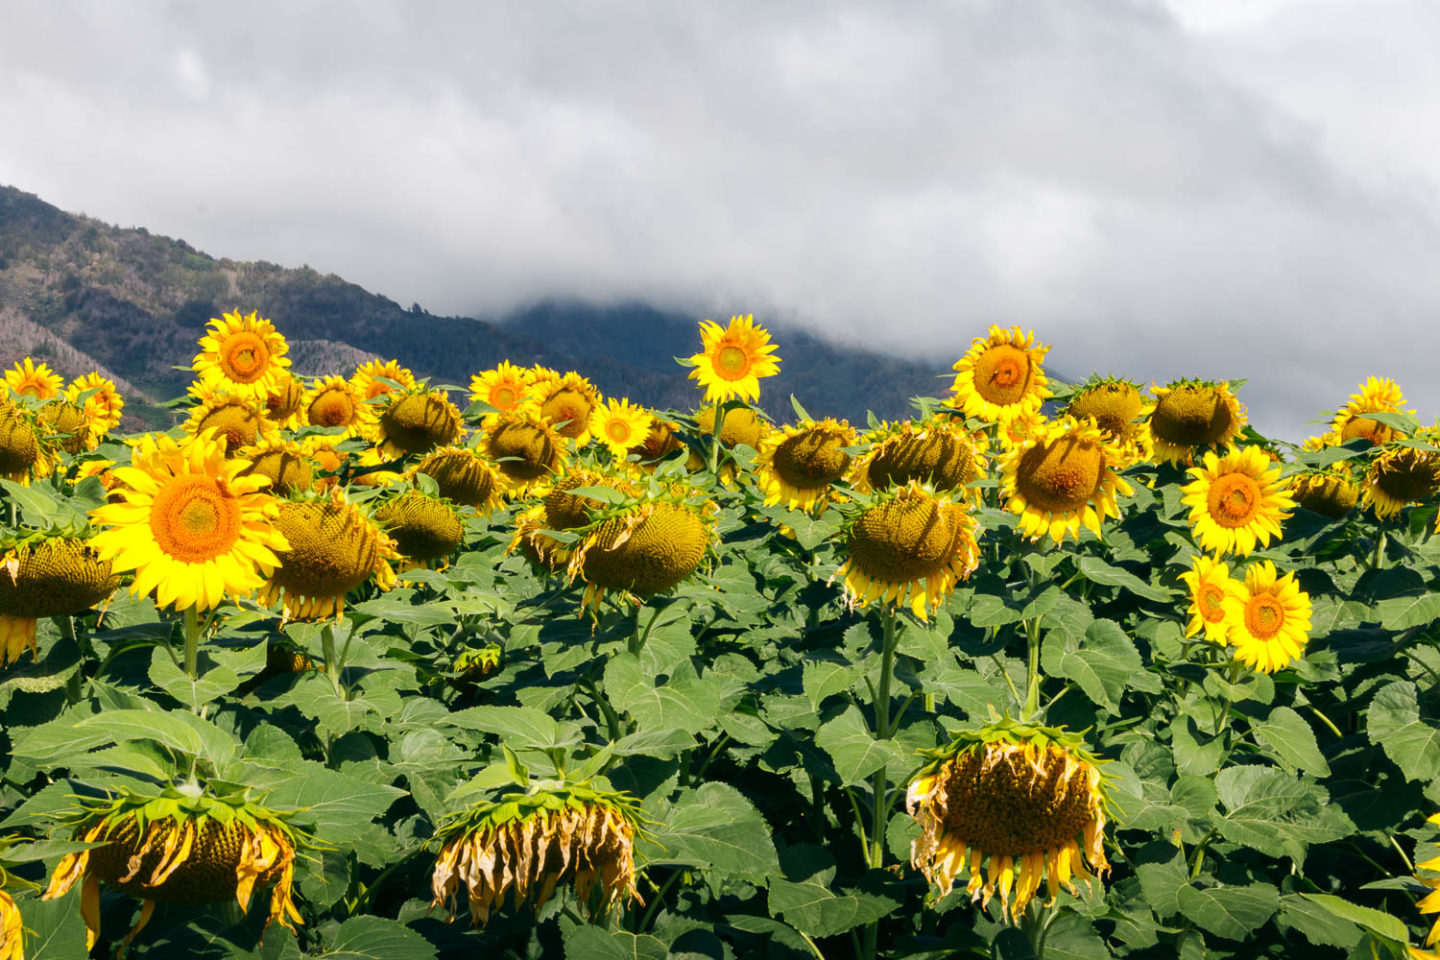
333 665
1032 673
192 642
1378 562
715 439
880 810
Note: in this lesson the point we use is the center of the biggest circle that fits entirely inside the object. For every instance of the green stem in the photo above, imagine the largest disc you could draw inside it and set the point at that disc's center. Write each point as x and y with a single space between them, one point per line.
192 642
1032 674
637 638
656 900
1379 561
333 665
880 811
715 439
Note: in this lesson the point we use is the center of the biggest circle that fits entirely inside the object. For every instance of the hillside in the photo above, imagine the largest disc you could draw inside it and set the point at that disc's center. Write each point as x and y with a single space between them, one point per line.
86 295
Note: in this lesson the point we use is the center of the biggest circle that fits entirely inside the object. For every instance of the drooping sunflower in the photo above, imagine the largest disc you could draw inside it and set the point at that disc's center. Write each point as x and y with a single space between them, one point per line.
1399 477
1190 415
49 577
566 403
1118 408
334 547
1331 493
26 379
1001 377
524 447
938 451
237 421
241 355
285 405
1376 395
910 549
103 406
796 466
620 425
188 524
20 452
1063 479
464 477
646 550
506 387
1209 582
65 426
288 464
1267 619
181 846
732 361
526 845
562 510
369 378
741 425
334 402
662 440
1029 799
416 422
1237 501
422 527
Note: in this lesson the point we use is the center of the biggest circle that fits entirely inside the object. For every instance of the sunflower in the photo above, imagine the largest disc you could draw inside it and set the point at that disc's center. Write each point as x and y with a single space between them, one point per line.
285 403
474 664
179 847
289 465
1399 477
65 426
416 423
369 378
422 527
1376 396
620 425
1030 799
237 421
1118 407
333 548
25 379
1267 620
910 548
526 845
103 406
1209 582
1062 479
334 402
243 356
796 466
732 361
20 453
662 440
1191 414
561 510
1237 501
1001 377
938 451
1331 493
566 403
190 526
1430 903
50 577
741 425
365 463
505 388
648 549
12 929
525 448
464 477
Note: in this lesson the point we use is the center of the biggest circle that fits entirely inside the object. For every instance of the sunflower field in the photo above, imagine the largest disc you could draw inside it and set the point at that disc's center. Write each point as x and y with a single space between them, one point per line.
344 668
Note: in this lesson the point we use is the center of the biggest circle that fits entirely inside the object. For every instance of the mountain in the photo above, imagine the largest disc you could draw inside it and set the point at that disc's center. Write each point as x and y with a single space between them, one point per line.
85 295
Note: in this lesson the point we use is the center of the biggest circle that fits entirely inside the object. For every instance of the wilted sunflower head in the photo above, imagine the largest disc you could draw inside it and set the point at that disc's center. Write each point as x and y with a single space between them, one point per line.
181 846
1376 395
649 548
911 547
1112 403
524 447
1330 493
1193 414
1399 477
48 577
661 441
423 528
243 356
334 402
66 426
19 443
524 846
937 451
797 465
26 379
1063 478
237 421
369 378
1030 799
465 477
417 422
334 547
566 402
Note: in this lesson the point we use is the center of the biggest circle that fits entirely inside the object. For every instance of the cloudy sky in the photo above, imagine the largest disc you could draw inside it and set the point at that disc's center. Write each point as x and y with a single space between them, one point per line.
1161 188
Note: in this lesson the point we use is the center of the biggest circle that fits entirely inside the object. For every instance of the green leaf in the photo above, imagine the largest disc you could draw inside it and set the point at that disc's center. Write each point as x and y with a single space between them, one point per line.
1098 571
376 938
1162 883
1275 812
194 693
1073 937
53 928
333 801
825 678
1102 664
1011 944
520 727
1402 613
814 909
585 942
1229 912
715 827
1393 722
1373 920
179 731
1316 923
315 697
1293 741
854 750
685 701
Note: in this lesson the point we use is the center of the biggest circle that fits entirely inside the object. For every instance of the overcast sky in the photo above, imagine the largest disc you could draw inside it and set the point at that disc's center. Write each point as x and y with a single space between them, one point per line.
1161 188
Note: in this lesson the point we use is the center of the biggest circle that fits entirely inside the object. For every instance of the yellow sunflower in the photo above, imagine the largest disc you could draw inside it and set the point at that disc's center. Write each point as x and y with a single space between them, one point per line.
504 388
566 403
25 379
284 404
1193 414
103 407
416 422
1237 501
188 524
938 451
732 361
1430 903
1376 396
1001 376
1118 408
1398 478
1267 620
244 356
333 547
1331 493
237 421
65 426
910 549
290 466
422 527
12 928
647 550
620 425
335 402
1209 582
1013 434
798 465
525 448
662 440
20 453
367 378
1062 479
561 510
1029 799
50 577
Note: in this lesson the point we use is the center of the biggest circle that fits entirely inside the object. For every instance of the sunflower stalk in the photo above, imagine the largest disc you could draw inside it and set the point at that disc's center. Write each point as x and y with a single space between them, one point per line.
192 642
880 810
